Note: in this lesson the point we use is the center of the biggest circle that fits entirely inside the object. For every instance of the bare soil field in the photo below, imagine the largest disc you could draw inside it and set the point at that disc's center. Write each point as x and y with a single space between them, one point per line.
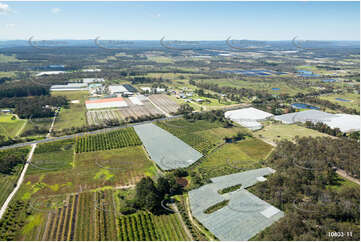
122 114
165 103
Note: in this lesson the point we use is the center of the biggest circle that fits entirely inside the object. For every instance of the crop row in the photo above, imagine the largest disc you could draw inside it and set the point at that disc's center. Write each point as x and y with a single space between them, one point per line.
106 141
61 224
105 216
146 226
13 220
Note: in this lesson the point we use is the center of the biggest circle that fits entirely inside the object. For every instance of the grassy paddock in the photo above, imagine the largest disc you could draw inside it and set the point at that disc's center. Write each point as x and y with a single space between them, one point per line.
274 132
75 115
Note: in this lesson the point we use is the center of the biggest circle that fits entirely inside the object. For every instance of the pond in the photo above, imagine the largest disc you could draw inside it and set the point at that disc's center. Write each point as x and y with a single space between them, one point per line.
343 100
275 89
304 106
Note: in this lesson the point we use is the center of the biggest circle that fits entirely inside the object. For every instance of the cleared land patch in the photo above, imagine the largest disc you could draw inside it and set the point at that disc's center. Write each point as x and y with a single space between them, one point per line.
277 132
10 125
74 115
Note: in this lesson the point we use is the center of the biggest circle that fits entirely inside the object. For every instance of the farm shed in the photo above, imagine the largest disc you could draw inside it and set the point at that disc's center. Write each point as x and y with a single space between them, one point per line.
70 87
244 216
46 73
165 149
248 117
106 103
345 122
93 80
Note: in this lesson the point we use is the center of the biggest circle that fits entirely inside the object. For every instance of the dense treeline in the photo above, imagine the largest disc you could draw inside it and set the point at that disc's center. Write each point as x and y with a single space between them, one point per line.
212 116
21 89
6 141
34 107
330 105
142 79
11 158
149 194
306 190
233 93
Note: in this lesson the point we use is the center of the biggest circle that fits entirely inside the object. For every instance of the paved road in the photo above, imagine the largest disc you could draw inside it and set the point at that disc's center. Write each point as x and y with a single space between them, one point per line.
83 134
19 182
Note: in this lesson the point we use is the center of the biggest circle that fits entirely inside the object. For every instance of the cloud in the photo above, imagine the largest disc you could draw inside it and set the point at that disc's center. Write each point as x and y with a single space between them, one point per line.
4 8
55 10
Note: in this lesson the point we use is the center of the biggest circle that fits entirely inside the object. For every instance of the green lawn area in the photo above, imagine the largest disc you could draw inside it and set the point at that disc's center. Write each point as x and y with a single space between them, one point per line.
53 156
75 115
344 183
10 125
8 58
42 123
234 157
90 170
275 132
355 100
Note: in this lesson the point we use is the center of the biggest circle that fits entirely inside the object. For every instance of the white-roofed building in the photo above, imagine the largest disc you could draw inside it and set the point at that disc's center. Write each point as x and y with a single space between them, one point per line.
345 122
93 80
117 89
70 87
45 73
248 117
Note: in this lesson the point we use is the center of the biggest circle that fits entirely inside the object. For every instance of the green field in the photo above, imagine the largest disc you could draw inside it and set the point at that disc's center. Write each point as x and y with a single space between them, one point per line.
8 58
90 170
107 140
274 132
354 98
41 123
51 157
75 115
10 125
234 157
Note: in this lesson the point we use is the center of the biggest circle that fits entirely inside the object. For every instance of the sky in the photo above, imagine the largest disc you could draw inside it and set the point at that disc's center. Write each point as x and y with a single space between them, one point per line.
180 20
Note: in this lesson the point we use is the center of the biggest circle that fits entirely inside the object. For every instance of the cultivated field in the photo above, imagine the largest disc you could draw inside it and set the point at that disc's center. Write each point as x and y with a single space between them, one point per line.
165 103
89 170
201 135
108 140
122 114
95 216
234 157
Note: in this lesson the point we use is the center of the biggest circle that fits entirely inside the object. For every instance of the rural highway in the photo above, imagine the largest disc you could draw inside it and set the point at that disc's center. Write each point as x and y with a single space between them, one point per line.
84 133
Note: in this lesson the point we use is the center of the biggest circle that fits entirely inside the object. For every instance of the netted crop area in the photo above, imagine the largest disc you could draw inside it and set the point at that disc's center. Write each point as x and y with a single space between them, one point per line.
243 216
165 149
